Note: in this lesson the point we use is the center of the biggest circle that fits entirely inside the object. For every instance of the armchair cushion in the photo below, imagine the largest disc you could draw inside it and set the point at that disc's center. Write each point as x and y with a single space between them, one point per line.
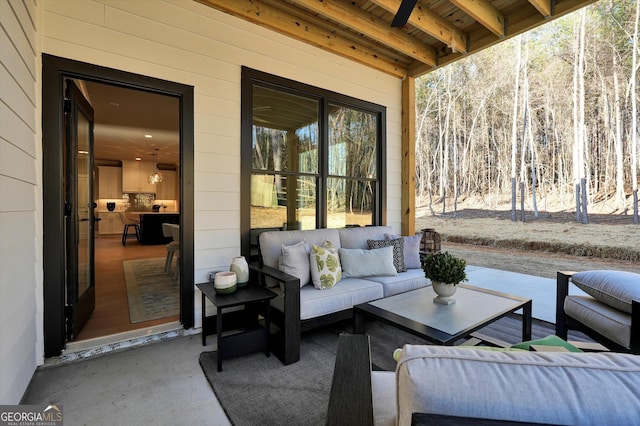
613 288
609 322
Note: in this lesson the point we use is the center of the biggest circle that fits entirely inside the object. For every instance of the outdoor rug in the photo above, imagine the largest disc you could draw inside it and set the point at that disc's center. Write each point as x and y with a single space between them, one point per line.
259 390
152 294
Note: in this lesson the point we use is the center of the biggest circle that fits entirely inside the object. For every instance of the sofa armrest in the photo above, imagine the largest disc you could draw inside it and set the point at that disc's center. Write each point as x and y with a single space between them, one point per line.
290 350
562 290
351 400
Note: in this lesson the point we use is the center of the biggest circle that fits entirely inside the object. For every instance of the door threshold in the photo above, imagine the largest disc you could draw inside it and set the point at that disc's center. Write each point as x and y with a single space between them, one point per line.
98 346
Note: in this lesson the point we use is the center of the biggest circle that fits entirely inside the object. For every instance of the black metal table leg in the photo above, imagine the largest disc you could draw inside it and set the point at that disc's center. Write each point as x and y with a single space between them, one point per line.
219 337
526 321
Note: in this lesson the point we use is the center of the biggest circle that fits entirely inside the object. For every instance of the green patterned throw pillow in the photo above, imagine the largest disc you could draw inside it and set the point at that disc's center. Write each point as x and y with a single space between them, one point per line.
325 265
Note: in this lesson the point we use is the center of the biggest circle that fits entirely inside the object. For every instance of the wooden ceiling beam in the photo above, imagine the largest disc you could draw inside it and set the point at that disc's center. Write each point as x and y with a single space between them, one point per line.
483 12
543 6
355 18
425 20
307 31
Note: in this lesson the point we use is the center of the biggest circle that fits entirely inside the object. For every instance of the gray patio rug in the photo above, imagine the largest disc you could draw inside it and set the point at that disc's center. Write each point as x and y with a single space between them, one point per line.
151 293
259 390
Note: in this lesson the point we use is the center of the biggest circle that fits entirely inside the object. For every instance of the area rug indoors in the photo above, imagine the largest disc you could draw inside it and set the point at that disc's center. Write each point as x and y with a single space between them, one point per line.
255 389
152 294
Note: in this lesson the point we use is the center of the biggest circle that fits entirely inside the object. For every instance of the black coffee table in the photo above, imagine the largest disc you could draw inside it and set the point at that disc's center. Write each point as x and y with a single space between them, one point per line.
415 312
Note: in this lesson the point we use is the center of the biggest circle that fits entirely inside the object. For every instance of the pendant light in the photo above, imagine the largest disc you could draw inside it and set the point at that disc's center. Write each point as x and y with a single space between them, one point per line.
155 177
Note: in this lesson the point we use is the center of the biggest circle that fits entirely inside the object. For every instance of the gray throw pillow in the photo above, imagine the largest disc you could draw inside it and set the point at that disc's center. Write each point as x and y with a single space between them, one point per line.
398 250
294 260
411 250
358 263
613 288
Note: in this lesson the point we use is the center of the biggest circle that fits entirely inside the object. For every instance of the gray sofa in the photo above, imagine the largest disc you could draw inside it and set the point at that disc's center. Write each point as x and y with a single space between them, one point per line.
467 385
299 308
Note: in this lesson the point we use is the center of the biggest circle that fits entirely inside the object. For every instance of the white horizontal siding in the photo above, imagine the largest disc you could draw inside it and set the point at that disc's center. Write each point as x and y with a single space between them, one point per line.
189 43
20 236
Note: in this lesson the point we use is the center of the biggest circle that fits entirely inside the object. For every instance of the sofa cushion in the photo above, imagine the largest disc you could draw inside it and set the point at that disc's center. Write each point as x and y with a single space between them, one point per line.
608 321
348 292
404 281
411 250
271 243
294 260
614 288
398 250
324 263
357 237
366 263
542 387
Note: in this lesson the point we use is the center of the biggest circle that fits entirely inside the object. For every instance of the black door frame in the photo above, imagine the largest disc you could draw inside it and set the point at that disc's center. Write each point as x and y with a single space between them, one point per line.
54 70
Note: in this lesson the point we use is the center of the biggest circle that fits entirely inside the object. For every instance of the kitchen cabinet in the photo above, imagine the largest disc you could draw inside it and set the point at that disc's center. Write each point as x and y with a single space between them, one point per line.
166 190
134 177
110 223
109 182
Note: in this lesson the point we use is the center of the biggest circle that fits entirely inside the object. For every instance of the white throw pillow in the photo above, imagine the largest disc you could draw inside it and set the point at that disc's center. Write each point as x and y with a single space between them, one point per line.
294 260
613 288
398 251
324 263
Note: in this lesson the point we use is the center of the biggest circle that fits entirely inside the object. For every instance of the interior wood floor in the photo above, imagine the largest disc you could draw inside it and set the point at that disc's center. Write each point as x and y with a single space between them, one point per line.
111 314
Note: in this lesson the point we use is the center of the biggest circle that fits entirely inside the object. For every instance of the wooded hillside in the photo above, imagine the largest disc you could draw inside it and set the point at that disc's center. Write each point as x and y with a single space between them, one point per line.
549 112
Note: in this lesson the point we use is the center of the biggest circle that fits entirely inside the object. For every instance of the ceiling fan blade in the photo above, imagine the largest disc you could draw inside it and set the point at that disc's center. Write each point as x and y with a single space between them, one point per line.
404 11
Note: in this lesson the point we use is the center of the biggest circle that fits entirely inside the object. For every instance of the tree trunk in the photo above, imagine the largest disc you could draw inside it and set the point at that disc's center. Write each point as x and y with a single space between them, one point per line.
634 118
514 129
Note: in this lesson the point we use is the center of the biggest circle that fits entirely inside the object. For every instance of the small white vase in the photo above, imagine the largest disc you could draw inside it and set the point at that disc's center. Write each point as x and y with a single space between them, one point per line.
241 268
225 282
445 292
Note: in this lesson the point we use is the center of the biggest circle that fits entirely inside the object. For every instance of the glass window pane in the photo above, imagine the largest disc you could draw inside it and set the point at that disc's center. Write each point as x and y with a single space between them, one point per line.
284 202
352 143
349 202
285 132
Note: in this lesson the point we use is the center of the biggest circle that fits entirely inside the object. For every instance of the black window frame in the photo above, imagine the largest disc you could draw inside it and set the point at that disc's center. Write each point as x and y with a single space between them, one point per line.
251 78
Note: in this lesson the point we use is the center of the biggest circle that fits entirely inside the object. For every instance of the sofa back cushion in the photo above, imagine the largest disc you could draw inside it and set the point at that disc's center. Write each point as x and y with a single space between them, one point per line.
356 238
271 242
551 387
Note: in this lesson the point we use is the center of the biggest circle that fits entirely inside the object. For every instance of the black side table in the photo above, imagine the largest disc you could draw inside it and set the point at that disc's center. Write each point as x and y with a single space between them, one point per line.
251 339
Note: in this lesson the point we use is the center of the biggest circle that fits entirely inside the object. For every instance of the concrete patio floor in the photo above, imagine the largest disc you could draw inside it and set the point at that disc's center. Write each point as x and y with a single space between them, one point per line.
162 383
157 384
541 290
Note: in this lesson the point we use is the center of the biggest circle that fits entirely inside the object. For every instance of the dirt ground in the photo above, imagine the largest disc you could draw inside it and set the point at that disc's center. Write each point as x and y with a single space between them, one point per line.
541 246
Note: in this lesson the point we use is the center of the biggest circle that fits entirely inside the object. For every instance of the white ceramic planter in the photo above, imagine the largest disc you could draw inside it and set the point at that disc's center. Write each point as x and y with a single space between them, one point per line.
445 292
225 282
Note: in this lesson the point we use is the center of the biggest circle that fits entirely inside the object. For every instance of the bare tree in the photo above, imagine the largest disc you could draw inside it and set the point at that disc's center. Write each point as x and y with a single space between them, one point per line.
634 117
514 128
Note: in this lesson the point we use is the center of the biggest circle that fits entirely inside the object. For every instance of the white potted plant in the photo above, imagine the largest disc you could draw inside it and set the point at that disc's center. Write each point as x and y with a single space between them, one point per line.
445 271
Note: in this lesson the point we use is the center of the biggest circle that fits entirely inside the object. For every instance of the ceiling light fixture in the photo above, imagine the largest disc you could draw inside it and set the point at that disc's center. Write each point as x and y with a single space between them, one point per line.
148 136
155 177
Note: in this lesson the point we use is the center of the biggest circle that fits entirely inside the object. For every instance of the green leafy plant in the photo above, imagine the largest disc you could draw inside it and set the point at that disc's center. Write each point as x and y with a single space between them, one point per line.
444 267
